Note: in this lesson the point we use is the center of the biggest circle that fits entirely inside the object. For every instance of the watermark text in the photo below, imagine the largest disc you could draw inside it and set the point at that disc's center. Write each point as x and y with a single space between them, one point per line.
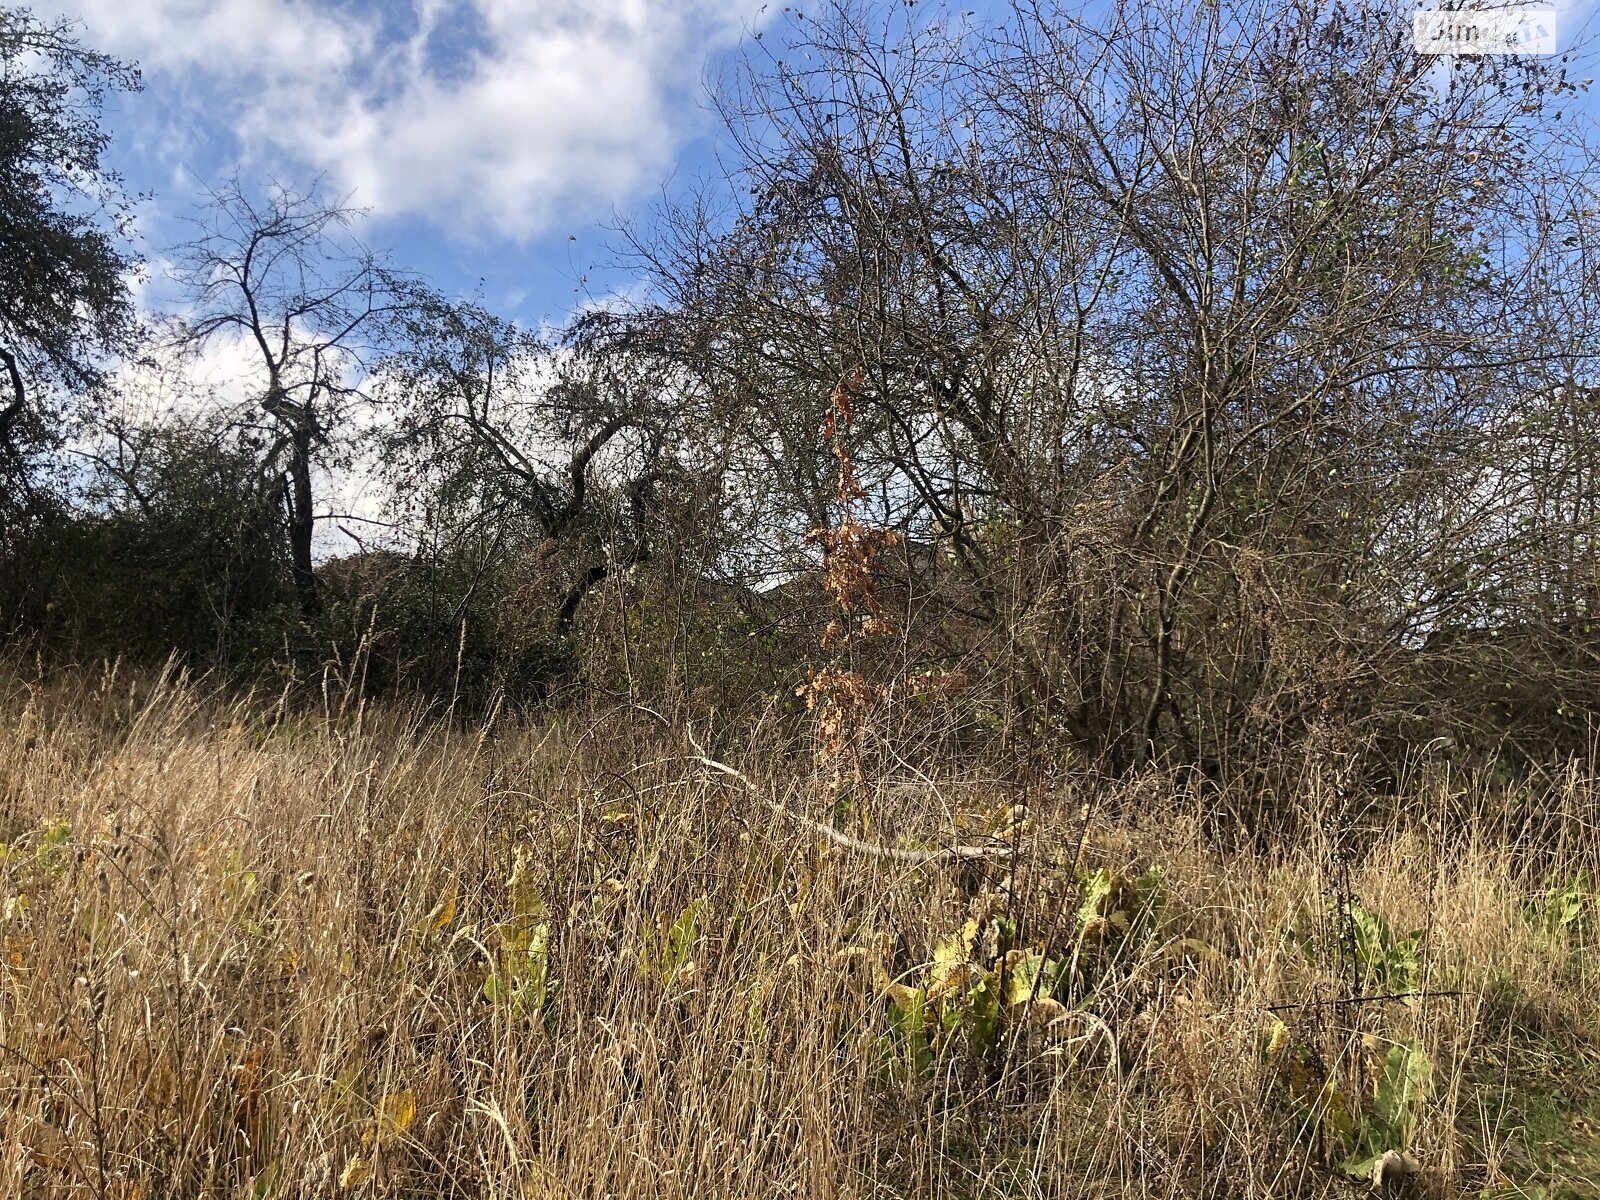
1487 30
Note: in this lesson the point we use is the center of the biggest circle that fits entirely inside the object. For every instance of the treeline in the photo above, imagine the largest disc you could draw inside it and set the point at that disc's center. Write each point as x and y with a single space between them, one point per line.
1223 372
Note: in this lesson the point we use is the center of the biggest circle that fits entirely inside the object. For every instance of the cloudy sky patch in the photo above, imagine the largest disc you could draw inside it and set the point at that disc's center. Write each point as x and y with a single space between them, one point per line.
478 133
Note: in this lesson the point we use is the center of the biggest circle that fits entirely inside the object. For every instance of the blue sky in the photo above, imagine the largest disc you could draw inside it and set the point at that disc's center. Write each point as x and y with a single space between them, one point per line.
492 140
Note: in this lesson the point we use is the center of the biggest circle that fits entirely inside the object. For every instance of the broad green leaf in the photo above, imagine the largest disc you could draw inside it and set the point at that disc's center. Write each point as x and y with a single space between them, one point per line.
1150 891
1022 970
669 955
1402 1087
1097 889
682 936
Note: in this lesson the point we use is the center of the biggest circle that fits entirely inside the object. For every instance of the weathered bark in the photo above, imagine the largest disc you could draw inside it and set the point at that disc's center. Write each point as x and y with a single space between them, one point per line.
302 524
575 594
12 412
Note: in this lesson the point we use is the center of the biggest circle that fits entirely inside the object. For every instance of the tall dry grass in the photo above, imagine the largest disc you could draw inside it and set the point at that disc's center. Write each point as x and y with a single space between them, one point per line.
250 953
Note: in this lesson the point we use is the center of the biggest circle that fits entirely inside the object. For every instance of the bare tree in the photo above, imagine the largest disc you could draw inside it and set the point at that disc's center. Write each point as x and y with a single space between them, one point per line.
1185 330
312 305
576 445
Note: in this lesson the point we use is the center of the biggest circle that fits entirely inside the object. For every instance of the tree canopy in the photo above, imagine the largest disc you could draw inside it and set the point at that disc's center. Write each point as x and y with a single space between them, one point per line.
65 256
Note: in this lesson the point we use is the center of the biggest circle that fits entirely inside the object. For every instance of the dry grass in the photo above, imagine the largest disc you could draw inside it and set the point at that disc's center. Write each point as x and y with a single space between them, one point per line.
247 954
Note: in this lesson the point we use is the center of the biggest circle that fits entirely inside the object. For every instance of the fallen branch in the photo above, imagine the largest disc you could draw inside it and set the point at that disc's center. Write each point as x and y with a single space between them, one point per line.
844 840
1353 1000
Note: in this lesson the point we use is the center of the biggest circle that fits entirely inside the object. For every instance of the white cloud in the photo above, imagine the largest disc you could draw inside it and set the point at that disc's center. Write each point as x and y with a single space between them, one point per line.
225 379
223 376
484 116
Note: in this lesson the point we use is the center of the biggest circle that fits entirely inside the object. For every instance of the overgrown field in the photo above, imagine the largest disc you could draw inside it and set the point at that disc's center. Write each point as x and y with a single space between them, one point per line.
254 954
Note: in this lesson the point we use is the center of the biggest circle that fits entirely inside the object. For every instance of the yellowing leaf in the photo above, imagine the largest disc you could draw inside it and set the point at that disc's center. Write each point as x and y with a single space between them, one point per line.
668 955
1191 950
951 960
1404 1084
442 913
395 1112
526 902
1277 1039
541 1183
1335 1109
17 950
952 978
901 995
1021 972
348 1092
356 1172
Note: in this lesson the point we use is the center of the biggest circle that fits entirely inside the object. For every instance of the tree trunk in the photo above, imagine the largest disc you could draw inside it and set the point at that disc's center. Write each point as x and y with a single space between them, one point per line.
575 594
11 412
302 524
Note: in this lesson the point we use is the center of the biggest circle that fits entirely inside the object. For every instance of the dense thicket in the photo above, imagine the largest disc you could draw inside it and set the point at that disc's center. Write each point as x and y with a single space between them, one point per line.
1227 371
